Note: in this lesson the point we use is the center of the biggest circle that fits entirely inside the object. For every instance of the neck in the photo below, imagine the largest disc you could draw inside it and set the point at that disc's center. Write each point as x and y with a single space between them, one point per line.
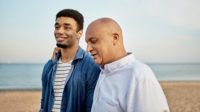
68 54
116 56
120 55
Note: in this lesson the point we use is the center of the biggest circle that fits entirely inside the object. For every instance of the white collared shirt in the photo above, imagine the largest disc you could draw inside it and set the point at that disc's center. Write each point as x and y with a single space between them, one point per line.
128 85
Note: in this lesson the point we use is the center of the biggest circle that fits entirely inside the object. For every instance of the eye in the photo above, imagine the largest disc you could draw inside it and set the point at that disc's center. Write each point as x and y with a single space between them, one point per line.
67 27
93 40
57 26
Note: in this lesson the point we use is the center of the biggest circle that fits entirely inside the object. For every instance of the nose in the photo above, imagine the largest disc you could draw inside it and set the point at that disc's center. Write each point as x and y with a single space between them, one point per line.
89 47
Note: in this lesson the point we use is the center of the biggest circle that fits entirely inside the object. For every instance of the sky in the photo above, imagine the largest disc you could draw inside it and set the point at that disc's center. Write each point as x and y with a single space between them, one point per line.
153 30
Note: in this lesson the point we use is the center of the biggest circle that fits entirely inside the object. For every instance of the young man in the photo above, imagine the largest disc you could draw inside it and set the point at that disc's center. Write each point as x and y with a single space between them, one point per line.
124 84
69 78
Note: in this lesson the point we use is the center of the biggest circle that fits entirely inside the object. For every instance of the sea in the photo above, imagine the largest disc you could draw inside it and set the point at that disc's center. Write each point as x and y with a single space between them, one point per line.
28 76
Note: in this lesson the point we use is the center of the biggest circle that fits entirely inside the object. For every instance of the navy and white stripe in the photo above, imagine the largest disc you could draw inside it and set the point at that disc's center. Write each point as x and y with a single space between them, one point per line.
62 72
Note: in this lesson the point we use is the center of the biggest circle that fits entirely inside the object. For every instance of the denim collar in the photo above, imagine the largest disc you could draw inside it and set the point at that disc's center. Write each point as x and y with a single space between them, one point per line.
79 55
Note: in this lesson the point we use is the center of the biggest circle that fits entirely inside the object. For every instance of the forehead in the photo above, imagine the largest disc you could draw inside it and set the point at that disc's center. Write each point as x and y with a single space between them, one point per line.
96 32
65 20
95 28
92 32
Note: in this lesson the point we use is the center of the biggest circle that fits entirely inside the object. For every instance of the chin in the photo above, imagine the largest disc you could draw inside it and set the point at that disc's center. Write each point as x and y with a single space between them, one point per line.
97 62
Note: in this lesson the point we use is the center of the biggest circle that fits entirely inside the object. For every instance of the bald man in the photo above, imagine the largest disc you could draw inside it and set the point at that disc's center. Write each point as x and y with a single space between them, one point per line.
125 84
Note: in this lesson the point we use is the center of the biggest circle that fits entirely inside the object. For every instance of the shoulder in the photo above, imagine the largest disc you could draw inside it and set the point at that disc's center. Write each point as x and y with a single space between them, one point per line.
49 64
47 67
141 71
141 67
137 67
88 60
83 56
89 65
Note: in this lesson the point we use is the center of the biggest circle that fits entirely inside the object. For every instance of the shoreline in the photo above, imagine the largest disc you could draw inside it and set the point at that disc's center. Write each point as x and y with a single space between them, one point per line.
39 89
20 89
182 96
179 81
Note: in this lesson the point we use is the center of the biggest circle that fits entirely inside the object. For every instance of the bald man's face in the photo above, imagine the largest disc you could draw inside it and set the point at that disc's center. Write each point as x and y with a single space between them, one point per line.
100 44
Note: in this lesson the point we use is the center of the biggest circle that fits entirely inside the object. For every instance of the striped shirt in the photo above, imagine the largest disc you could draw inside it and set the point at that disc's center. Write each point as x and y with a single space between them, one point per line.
62 72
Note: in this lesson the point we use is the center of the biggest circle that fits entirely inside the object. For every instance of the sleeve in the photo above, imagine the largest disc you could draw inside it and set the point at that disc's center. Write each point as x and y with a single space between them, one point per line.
92 77
147 95
44 83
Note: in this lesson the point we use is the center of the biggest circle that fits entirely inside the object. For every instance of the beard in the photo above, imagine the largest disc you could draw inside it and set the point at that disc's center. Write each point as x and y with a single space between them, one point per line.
61 45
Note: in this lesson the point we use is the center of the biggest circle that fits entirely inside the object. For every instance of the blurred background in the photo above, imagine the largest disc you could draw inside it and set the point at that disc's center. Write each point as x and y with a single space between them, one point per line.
165 34
162 33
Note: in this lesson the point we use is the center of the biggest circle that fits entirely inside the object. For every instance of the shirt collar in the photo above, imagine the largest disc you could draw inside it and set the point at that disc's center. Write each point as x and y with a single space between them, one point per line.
79 55
118 63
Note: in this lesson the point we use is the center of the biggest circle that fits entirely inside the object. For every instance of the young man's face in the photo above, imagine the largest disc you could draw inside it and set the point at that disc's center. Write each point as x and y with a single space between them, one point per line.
66 33
99 44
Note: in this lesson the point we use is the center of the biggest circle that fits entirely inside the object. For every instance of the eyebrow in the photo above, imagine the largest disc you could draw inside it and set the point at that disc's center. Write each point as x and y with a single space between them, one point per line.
66 24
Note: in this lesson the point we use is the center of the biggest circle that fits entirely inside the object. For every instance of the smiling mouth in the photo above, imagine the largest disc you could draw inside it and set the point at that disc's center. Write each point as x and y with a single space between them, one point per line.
60 39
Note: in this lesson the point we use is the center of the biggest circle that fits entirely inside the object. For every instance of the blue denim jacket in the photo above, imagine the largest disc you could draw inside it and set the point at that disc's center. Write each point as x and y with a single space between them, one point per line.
79 89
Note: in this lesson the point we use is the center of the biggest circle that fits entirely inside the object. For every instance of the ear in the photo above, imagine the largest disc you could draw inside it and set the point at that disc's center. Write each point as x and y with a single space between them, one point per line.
115 38
79 34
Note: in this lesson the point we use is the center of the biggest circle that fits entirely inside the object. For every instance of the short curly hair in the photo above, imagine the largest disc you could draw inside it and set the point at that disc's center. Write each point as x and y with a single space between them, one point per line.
77 16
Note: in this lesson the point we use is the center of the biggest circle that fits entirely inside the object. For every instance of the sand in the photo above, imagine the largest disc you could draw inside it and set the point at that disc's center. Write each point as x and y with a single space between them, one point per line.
20 101
182 96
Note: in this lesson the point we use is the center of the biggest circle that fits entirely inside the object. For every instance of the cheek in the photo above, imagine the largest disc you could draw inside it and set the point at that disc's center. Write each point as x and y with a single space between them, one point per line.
101 54
55 34
105 53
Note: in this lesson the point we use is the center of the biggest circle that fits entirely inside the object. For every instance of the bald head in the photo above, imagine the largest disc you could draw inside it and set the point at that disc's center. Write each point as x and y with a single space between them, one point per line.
107 23
104 41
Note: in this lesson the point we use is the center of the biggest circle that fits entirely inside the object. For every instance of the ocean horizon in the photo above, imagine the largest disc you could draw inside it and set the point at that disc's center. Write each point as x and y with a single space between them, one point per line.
14 76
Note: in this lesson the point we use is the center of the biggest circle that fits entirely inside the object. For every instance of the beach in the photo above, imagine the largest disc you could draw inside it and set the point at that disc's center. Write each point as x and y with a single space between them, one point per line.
182 96
20 100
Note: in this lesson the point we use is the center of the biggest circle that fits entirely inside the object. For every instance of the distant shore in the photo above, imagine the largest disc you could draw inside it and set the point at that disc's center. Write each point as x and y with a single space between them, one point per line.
182 96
